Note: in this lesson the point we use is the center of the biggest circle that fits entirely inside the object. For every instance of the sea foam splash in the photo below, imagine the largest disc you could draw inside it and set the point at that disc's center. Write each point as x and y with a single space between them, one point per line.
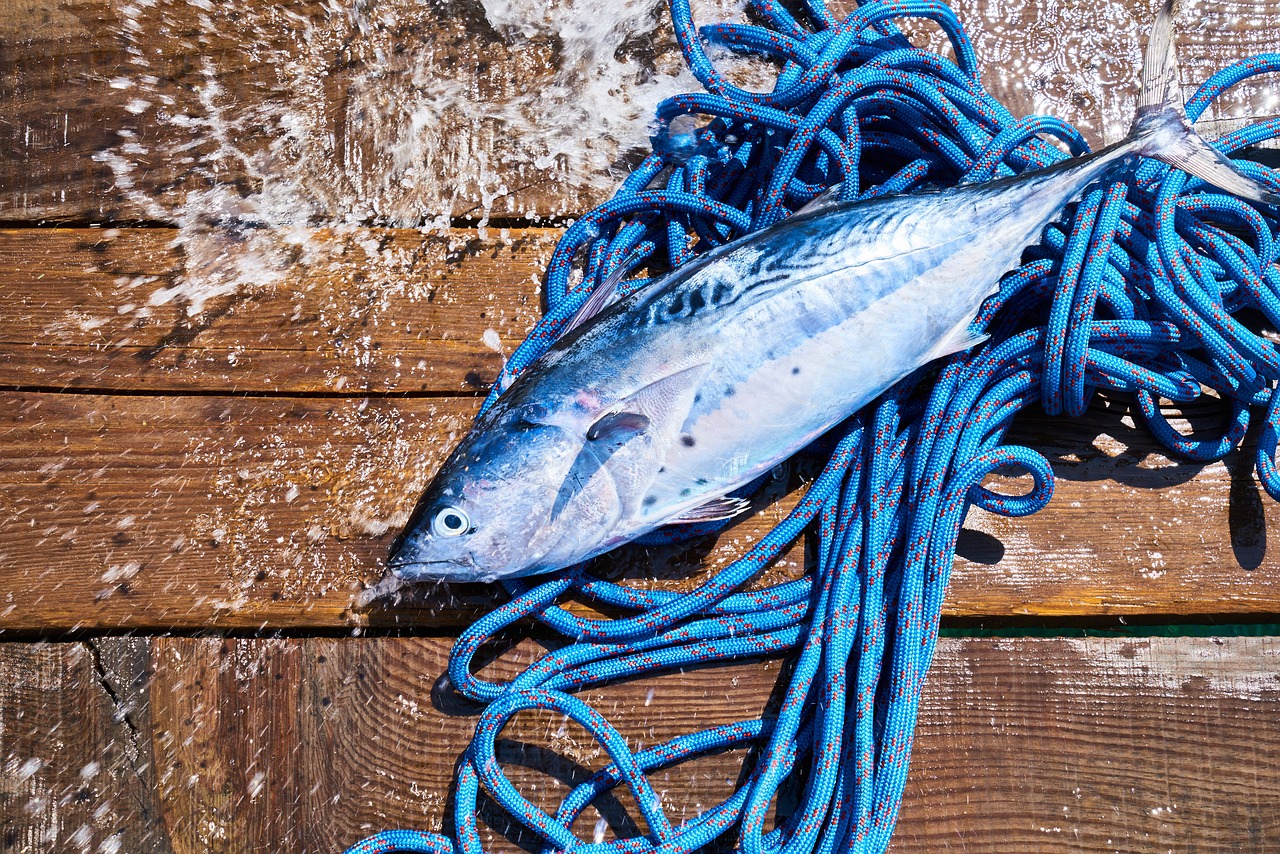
398 114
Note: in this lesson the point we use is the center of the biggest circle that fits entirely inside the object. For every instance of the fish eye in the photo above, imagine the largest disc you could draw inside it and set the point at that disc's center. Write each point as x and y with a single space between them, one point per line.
450 522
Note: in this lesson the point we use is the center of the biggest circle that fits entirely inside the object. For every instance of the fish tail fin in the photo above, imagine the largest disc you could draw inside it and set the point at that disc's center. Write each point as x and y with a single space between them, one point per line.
1161 129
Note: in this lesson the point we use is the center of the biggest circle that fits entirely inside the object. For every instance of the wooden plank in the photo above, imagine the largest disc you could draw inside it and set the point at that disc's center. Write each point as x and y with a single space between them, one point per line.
163 511
356 311
196 512
1114 541
1097 745
116 110
1131 529
341 739
1134 744
75 748
286 111
175 517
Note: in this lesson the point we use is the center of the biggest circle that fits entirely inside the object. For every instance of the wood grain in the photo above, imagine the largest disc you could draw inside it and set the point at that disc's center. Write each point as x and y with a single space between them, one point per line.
148 512
155 512
1131 744
1096 745
75 748
297 109
172 500
1130 529
199 511
362 310
289 112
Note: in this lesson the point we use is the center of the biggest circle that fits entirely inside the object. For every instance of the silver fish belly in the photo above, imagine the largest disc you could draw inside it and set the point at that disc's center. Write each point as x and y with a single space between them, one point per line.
667 401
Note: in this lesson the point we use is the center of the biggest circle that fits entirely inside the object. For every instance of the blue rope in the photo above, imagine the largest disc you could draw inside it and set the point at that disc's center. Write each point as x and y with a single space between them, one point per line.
1136 290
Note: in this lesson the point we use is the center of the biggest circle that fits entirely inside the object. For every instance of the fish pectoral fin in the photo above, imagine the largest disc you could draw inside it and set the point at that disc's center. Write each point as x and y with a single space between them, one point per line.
631 438
724 507
659 407
617 426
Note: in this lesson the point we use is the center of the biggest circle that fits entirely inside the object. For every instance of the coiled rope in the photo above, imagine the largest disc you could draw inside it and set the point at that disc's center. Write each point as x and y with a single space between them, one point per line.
1138 289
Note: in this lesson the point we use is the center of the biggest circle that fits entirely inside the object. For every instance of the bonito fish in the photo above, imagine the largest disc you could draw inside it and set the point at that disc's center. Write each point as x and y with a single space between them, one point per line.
651 411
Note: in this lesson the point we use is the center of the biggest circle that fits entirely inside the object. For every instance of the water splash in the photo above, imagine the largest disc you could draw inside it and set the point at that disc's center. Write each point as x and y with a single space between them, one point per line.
272 122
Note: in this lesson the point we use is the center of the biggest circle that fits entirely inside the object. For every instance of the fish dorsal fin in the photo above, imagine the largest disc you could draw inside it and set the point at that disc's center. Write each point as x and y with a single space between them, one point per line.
599 300
828 198
715 510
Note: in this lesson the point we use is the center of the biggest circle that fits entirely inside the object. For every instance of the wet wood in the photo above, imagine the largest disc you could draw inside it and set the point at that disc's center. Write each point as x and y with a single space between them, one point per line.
76 771
203 512
116 110
196 511
362 310
308 745
156 495
291 111
1096 745
155 512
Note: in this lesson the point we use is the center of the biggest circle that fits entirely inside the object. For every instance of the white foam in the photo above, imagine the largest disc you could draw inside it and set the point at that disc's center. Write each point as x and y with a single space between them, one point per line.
368 123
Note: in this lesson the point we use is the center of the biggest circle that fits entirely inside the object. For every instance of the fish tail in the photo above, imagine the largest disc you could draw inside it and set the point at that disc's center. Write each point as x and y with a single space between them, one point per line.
1161 129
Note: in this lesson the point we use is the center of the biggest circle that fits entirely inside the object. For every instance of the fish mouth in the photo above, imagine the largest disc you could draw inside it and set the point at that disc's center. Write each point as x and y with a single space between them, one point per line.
407 568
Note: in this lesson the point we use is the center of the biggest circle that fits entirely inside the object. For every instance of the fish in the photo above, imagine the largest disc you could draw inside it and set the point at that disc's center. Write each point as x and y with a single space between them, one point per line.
652 409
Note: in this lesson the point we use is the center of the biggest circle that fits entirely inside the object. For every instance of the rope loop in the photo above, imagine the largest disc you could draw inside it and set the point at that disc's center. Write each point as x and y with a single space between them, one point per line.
1004 456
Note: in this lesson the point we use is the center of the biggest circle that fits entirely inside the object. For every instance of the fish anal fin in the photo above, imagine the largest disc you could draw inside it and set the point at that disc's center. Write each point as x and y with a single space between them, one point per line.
959 338
715 510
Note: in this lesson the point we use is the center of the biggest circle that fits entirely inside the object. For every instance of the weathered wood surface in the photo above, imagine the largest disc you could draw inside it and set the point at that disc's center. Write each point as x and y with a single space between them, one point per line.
76 770
318 311
289 111
200 512
1140 744
197 434
1096 745
173 502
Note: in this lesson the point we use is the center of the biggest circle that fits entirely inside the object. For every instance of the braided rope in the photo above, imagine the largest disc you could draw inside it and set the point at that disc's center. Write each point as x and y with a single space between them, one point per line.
1137 290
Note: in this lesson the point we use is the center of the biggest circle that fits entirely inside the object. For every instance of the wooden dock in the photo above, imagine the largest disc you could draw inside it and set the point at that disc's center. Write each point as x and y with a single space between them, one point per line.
214 418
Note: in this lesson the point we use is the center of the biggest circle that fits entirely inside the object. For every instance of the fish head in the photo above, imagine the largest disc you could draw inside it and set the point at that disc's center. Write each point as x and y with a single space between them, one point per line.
497 507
